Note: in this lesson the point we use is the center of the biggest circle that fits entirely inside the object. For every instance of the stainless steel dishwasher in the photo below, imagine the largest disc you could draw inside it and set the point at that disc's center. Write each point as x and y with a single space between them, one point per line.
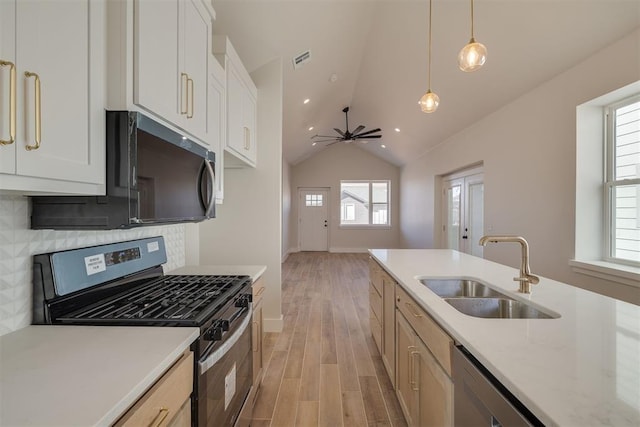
480 399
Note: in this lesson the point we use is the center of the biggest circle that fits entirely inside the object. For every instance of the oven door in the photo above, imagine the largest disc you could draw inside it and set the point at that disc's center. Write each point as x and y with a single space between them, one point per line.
225 378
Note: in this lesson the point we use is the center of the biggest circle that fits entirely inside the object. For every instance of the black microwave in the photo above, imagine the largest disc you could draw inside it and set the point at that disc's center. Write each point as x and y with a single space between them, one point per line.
154 175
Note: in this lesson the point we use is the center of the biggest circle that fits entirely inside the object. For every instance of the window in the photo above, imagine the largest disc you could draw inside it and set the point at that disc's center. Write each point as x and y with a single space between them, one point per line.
622 182
313 200
364 203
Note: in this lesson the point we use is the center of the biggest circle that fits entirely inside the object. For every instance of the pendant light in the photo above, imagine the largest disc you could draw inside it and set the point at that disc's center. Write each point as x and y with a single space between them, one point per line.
474 54
429 101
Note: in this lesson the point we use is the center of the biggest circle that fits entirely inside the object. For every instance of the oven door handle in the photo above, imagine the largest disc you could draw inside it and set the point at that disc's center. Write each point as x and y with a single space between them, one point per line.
206 364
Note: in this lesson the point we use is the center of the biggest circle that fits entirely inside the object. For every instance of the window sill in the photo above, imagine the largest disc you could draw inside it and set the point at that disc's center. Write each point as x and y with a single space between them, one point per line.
619 273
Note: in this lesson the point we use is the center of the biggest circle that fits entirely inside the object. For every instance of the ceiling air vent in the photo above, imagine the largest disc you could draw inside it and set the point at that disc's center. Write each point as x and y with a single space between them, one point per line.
301 59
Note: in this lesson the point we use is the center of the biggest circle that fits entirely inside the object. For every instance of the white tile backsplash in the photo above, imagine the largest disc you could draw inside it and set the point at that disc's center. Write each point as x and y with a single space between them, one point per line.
18 243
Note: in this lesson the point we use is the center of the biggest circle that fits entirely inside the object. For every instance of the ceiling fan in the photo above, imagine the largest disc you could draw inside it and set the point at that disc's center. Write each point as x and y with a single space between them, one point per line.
347 136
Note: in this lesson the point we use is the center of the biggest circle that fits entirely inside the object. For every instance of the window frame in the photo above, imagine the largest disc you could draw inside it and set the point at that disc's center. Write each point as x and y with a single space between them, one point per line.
610 183
370 203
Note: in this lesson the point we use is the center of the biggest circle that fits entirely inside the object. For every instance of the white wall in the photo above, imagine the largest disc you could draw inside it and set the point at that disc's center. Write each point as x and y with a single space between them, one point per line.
286 208
18 244
326 169
529 149
247 227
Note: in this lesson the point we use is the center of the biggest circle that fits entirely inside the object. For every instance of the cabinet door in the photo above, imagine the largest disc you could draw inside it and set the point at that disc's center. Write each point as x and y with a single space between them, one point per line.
158 85
56 110
405 379
435 390
7 107
249 146
217 121
235 121
257 344
389 326
194 52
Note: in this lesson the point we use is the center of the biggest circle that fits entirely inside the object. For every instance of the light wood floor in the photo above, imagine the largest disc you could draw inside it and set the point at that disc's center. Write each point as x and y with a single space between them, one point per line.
324 369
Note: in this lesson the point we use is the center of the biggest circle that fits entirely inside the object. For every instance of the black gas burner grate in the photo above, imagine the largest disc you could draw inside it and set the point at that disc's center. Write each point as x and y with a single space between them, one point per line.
181 299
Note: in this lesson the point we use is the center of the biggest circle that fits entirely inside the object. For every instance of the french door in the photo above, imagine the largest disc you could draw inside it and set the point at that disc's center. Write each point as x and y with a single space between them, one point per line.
463 211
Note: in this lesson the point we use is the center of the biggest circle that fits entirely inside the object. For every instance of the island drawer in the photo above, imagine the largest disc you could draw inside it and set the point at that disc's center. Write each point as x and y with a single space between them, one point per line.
165 399
437 340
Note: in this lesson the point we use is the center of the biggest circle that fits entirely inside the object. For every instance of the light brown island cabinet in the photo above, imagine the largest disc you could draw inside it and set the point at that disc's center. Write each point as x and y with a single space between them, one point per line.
382 315
168 401
257 333
424 386
375 303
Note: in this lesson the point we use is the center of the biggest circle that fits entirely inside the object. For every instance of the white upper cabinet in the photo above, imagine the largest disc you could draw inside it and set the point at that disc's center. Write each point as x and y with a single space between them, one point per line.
241 141
52 96
217 121
164 46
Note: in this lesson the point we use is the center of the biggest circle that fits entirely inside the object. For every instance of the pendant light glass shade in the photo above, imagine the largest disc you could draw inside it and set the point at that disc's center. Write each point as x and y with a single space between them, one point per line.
429 102
474 54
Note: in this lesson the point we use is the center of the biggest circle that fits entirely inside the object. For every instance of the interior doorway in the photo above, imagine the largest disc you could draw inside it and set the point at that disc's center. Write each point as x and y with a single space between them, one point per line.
313 219
463 211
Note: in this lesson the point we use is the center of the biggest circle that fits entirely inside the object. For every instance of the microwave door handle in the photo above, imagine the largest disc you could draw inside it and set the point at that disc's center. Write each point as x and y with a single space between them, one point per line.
212 196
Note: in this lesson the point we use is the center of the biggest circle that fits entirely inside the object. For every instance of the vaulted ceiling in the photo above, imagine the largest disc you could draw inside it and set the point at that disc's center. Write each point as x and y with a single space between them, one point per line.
378 51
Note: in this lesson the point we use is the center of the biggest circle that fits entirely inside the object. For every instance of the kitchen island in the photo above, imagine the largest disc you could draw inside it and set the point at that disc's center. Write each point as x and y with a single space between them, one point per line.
579 369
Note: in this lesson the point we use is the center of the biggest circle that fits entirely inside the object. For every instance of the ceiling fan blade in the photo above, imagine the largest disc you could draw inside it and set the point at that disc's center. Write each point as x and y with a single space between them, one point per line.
334 142
358 129
325 136
330 139
339 131
367 137
369 132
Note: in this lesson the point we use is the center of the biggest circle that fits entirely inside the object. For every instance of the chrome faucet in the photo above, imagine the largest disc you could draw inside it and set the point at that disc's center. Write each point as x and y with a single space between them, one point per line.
526 279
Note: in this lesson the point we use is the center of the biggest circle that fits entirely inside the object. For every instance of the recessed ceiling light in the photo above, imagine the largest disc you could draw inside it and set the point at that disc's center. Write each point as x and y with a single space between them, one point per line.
383 146
306 101
310 127
397 130
333 78
313 144
184 137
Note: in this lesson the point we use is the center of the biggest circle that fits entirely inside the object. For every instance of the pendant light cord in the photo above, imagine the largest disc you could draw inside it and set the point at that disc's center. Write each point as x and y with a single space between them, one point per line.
472 37
429 56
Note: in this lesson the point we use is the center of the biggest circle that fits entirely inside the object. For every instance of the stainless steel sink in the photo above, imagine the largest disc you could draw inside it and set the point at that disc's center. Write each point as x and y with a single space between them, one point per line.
448 288
474 298
497 308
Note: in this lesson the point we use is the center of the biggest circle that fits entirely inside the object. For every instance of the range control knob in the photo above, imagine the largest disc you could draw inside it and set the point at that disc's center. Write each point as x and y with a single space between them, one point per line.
214 333
243 300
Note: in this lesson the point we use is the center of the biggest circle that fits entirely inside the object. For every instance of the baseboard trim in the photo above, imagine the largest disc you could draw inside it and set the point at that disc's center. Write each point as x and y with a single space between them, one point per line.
348 250
273 325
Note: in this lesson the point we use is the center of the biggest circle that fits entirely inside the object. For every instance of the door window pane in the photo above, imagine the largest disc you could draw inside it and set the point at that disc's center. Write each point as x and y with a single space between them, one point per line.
313 200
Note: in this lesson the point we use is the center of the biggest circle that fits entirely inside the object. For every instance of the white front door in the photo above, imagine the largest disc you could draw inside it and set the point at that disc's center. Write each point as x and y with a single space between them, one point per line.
313 219
463 212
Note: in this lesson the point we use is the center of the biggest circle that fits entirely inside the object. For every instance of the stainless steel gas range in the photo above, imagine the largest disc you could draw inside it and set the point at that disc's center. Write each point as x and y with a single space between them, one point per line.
124 284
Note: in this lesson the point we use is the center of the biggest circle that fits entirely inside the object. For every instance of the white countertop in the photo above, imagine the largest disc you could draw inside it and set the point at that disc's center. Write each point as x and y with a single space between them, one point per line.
82 375
580 369
255 271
